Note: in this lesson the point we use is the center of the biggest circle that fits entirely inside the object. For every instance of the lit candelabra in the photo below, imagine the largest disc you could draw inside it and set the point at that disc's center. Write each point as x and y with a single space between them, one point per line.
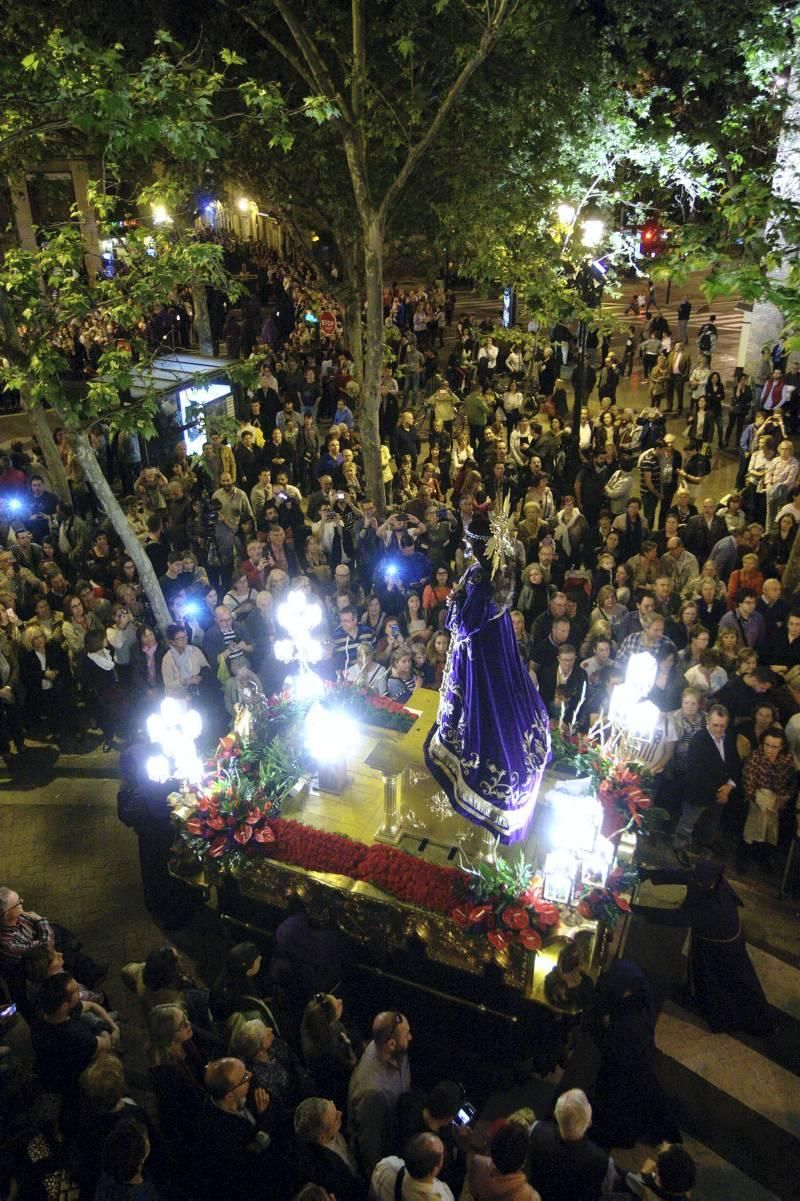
300 618
175 729
632 718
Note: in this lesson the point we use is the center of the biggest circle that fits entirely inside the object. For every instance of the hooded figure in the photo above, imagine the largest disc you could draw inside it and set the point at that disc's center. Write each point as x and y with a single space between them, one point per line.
721 975
491 740
628 1105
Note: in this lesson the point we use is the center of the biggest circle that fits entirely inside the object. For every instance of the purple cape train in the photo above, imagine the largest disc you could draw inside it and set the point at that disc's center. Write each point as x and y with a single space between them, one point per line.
491 740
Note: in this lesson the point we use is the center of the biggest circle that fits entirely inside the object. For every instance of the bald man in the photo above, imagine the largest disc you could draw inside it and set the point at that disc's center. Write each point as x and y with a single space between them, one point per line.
380 1078
232 1135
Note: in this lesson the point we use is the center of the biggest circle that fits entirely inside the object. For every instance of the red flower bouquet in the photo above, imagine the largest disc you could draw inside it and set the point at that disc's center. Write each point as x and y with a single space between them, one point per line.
507 906
607 904
624 795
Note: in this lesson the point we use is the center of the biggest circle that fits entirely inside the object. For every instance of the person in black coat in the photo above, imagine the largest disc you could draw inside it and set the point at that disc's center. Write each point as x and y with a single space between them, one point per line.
722 978
101 686
713 770
322 1154
563 1164
563 682
704 531
330 1051
629 1103
236 1156
45 680
142 805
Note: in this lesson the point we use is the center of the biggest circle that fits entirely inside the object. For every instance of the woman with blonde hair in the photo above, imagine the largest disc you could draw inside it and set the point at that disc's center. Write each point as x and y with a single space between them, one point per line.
271 1062
729 643
176 1076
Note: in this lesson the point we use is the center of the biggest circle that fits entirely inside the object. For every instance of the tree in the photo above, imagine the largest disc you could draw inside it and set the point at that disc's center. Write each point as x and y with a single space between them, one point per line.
430 55
36 359
66 94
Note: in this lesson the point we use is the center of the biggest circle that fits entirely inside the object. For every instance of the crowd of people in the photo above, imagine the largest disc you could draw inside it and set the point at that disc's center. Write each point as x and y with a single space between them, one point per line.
250 1099
263 1088
605 566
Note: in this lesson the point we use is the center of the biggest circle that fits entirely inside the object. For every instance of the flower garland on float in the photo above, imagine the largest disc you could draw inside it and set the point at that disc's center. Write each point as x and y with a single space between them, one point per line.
235 819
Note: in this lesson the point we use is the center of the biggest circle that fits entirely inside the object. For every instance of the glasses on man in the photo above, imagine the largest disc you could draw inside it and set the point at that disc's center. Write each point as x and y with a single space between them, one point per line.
246 1078
397 1020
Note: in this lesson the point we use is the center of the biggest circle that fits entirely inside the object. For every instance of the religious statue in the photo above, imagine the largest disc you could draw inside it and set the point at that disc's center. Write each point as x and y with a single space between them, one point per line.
491 740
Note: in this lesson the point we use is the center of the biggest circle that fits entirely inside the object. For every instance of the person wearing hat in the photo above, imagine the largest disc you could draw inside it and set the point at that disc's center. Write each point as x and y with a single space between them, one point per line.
672 1179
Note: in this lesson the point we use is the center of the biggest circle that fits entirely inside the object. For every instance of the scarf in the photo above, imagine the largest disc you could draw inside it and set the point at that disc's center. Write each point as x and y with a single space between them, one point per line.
149 653
563 528
102 659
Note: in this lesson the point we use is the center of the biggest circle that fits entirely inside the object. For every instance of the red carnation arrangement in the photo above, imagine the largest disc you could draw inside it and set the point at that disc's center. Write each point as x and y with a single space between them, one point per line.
411 879
316 850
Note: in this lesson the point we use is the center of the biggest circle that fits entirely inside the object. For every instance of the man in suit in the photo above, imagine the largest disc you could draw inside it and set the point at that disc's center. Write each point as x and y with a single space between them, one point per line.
712 774
704 530
679 364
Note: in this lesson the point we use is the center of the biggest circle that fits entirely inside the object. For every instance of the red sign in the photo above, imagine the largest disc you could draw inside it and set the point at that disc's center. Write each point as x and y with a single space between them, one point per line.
327 324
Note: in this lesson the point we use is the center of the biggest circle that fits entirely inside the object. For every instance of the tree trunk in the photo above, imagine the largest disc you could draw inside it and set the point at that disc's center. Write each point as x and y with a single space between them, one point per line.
373 361
44 436
133 547
351 319
351 295
202 320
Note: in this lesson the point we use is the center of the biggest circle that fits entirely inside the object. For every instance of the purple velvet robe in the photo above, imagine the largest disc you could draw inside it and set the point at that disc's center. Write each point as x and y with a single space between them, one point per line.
491 740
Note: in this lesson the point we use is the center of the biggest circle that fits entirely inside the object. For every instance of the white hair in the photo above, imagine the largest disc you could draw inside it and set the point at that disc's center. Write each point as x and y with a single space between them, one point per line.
246 1042
309 1119
573 1113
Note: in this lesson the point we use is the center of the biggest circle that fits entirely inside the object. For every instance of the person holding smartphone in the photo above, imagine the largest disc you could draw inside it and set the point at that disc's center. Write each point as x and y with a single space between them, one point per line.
443 1112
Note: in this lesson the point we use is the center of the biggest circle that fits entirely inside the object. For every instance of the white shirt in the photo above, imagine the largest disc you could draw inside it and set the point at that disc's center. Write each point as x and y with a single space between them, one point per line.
40 655
381 1186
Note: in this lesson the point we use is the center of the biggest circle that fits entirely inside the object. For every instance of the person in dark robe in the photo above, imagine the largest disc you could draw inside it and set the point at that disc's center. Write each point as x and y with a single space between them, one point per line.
142 805
722 978
628 1104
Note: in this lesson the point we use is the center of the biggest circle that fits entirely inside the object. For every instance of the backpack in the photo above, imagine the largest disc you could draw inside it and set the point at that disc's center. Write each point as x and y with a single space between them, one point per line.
705 342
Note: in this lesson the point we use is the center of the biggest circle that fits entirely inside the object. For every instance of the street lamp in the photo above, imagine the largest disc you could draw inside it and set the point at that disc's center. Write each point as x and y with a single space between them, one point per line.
243 204
565 214
160 215
592 232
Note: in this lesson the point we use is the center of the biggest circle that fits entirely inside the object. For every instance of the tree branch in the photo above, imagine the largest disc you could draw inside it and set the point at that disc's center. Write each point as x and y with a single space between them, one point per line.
496 18
316 64
33 130
285 53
